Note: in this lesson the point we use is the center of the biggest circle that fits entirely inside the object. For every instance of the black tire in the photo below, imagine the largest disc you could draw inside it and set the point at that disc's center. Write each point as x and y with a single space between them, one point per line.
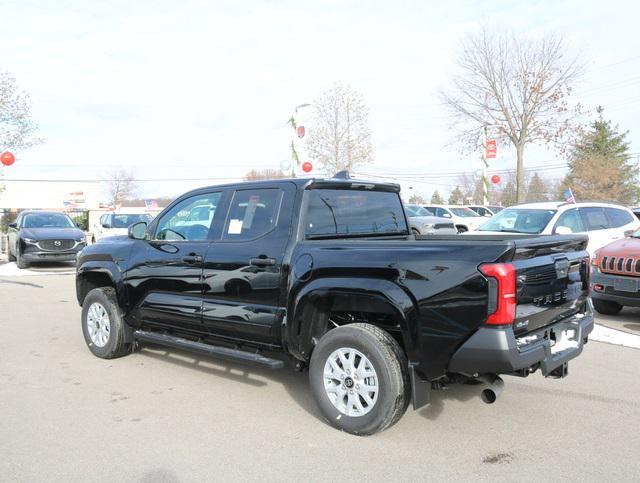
390 364
461 229
116 345
21 262
606 307
415 231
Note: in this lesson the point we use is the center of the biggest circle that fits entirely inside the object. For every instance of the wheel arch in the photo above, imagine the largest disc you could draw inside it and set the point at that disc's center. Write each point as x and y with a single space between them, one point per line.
312 306
92 276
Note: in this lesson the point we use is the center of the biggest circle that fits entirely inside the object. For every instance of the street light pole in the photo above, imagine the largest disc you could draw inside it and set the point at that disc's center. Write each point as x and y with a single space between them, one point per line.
294 125
485 165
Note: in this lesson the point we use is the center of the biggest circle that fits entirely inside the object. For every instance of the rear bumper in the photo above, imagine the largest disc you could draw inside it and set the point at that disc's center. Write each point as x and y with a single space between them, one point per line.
629 299
498 351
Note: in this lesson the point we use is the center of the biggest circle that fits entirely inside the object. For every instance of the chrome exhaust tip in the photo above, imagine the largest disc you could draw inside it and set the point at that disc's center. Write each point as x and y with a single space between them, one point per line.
494 386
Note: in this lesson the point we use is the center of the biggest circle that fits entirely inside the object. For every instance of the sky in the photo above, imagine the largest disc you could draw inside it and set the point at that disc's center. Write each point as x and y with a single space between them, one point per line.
202 90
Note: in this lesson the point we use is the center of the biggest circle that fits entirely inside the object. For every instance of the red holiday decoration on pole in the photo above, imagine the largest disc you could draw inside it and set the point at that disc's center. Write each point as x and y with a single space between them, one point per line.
7 158
491 148
300 130
495 179
307 167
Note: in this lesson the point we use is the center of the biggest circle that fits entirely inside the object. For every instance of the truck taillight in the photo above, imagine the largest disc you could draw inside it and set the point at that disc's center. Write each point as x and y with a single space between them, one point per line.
502 292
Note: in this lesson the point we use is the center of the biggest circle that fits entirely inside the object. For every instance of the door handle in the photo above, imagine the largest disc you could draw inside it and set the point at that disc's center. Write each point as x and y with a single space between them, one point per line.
262 262
192 259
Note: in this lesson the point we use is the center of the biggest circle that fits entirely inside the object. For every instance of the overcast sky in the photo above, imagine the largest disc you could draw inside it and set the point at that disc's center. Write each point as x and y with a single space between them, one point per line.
203 89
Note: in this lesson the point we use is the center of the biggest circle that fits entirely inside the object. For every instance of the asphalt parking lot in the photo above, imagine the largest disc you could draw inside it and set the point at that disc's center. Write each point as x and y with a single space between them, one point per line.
160 415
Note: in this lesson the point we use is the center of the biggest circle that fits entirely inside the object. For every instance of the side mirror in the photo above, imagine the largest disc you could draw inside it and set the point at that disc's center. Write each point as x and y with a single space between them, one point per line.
563 230
13 225
488 215
106 225
138 231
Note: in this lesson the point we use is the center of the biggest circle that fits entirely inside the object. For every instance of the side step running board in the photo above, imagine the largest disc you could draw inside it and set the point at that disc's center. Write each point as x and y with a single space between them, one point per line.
206 349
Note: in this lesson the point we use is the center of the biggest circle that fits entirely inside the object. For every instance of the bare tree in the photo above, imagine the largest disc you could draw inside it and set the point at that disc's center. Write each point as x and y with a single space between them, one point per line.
339 135
268 173
120 185
519 87
17 129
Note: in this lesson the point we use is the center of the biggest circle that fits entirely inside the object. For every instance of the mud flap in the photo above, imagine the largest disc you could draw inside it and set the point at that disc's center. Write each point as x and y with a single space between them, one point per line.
420 389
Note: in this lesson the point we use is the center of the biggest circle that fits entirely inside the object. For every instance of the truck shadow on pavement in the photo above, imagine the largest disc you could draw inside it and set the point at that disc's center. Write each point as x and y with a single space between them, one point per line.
455 392
295 383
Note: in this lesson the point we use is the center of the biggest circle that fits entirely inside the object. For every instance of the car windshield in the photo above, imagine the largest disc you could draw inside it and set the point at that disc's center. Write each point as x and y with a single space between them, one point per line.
495 209
125 221
519 220
464 212
47 220
415 210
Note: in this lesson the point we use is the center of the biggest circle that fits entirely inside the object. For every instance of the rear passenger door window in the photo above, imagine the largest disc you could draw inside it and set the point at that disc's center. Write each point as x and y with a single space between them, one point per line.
252 214
594 218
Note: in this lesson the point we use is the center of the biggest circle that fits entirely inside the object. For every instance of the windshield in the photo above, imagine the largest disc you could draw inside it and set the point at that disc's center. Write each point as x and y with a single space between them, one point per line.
47 220
353 212
519 220
415 210
496 209
463 212
125 221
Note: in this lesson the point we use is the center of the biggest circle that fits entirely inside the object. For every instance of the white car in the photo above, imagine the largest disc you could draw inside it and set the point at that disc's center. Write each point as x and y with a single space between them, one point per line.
114 224
603 222
464 218
423 223
486 210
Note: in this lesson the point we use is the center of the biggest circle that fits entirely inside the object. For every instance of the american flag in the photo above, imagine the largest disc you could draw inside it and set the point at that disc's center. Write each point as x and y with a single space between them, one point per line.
568 196
151 204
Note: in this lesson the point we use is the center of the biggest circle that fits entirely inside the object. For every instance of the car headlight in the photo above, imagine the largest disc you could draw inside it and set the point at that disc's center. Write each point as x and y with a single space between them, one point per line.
427 226
30 241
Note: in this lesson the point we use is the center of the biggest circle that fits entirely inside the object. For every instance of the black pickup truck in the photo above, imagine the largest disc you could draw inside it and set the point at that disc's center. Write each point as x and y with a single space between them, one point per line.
324 275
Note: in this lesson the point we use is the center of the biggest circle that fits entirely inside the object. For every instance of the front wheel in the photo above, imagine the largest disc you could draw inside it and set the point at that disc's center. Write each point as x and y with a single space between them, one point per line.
606 307
359 379
102 325
21 262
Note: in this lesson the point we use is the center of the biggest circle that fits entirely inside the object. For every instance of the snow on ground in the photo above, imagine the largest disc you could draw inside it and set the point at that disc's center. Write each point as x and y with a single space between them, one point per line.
11 270
611 336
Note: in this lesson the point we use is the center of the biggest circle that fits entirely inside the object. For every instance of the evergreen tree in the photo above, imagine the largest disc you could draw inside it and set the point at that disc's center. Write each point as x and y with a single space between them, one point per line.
537 189
436 199
599 165
456 197
508 196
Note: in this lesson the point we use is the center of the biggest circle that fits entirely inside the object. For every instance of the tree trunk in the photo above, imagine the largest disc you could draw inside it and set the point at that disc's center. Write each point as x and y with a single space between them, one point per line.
520 185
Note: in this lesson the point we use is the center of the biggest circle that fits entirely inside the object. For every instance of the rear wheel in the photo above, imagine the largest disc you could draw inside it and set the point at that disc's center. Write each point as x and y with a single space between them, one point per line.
606 307
102 325
415 231
358 375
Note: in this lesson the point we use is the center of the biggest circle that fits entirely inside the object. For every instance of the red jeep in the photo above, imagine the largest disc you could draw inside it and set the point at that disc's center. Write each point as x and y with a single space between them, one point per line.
615 278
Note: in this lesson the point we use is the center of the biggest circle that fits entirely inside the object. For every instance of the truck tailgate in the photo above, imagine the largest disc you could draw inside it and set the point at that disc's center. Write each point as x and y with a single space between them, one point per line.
552 280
